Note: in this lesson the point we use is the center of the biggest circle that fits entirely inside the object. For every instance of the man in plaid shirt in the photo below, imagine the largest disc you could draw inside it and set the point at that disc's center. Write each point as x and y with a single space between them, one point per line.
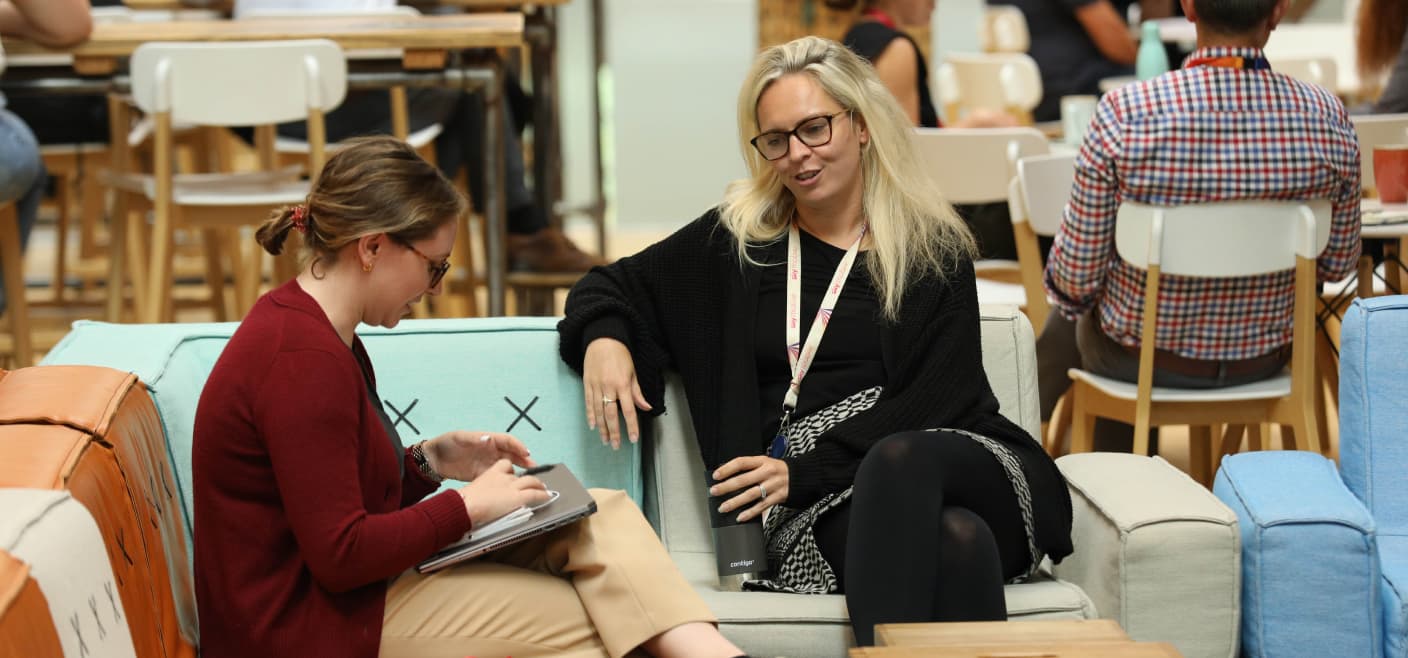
1224 127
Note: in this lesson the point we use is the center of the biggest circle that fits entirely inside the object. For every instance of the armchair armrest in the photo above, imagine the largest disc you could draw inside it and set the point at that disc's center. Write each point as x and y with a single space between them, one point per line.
1155 551
1310 573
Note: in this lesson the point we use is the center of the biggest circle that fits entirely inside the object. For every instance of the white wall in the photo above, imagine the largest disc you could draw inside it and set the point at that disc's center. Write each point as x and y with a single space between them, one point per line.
675 68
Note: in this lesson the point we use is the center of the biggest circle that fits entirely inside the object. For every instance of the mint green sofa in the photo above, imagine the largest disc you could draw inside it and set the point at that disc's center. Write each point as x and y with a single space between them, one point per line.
504 374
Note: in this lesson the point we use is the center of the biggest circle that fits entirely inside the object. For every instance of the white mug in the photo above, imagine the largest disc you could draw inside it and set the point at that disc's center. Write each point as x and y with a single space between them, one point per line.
1076 113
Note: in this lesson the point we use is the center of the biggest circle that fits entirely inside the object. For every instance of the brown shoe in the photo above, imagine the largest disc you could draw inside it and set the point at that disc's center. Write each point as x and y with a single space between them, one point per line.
548 250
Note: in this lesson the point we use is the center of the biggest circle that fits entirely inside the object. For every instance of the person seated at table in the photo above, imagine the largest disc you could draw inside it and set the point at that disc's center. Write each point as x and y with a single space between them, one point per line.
900 64
1076 44
877 444
1186 123
1380 45
310 512
53 23
532 244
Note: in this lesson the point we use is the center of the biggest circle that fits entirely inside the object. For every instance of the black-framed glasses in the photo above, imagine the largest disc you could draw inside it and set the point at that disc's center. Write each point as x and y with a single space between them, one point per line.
812 131
437 270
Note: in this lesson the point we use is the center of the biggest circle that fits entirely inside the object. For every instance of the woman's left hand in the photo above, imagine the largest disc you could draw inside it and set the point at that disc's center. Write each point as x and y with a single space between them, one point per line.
745 474
464 454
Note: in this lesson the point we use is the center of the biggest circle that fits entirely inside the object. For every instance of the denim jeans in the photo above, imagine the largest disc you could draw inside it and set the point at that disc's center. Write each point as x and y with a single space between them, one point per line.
22 176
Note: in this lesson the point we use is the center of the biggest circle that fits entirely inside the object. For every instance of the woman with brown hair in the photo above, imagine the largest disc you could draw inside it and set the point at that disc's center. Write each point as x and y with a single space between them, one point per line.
309 511
1380 45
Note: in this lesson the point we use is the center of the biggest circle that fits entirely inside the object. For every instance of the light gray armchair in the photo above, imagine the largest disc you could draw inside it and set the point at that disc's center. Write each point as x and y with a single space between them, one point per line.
1121 503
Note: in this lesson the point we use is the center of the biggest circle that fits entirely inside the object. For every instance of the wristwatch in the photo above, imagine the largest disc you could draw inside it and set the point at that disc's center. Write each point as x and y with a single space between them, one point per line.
418 456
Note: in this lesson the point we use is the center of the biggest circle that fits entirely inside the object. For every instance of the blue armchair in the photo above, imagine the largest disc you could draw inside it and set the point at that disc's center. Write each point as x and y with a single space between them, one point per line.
1325 551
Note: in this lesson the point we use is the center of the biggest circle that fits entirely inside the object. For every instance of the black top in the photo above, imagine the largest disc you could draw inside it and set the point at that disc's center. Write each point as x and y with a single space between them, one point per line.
849 359
1069 61
688 304
870 38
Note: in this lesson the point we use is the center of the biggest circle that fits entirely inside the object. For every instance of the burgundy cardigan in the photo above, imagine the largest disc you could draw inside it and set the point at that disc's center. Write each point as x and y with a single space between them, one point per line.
301 513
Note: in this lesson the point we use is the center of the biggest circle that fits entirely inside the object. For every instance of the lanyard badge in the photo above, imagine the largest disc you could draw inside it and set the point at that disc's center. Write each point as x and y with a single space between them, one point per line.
800 355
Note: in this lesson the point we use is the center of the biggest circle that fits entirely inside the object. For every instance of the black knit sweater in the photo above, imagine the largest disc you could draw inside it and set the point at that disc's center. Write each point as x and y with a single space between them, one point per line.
687 304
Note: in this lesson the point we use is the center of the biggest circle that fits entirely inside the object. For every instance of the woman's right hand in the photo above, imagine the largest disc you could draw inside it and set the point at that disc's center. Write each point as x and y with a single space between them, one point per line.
611 390
497 491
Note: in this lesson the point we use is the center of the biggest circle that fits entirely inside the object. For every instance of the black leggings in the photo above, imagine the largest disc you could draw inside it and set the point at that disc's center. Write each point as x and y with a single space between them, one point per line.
931 533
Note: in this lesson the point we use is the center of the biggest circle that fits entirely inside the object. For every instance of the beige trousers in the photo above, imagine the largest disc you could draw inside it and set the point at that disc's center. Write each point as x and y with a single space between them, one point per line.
600 587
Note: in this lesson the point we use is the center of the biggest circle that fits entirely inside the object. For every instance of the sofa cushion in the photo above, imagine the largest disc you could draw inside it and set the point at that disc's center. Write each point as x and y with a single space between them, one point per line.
433 376
56 537
1393 592
1310 576
1374 409
1149 539
26 625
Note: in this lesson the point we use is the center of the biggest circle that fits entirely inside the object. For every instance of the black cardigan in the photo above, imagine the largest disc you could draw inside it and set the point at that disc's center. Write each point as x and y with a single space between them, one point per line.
687 304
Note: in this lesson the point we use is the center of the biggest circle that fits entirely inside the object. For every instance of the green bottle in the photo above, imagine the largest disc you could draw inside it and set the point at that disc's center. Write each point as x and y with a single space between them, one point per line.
1151 61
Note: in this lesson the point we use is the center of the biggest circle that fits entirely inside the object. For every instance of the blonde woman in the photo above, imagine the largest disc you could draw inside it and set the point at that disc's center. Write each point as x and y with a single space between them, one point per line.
889 473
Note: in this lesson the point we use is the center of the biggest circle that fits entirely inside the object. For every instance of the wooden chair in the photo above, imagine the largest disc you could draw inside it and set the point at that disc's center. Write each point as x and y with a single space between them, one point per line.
1215 240
219 84
1037 200
17 308
975 165
1004 30
1008 82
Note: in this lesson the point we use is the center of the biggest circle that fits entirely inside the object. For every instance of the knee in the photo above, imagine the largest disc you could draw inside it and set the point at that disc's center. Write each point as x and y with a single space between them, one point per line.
964 533
892 453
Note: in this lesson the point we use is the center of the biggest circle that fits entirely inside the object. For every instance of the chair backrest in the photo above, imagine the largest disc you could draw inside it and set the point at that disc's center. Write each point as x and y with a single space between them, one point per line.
239 84
1377 130
1228 239
1374 408
1316 70
996 81
974 165
1004 30
1046 182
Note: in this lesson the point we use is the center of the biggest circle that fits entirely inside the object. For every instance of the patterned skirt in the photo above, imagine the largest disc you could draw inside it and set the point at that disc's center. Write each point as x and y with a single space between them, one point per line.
794 560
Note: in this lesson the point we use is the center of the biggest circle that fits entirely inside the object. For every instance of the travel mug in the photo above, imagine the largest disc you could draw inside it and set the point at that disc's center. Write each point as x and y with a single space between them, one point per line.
740 551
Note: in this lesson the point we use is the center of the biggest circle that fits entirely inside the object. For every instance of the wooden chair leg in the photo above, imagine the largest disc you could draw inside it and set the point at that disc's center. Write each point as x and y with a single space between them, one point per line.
1232 439
1288 437
1199 457
1082 425
1254 433
215 273
12 264
63 189
1055 431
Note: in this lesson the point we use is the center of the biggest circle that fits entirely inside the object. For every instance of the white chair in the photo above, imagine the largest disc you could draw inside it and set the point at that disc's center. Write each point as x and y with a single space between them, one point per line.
1008 82
1377 130
974 165
219 84
1036 200
1214 240
1320 71
400 119
1004 30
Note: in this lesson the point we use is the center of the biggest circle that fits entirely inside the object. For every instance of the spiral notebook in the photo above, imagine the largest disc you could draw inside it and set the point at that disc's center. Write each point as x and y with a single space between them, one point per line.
569 503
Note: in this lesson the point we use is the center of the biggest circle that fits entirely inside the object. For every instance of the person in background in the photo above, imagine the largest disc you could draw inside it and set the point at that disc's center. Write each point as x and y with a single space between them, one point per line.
310 512
1154 142
1381 46
1078 43
900 64
532 243
875 447
53 23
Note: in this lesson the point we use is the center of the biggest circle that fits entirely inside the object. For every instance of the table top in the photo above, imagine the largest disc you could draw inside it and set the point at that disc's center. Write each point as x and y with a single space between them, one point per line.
1118 649
437 32
1394 218
999 632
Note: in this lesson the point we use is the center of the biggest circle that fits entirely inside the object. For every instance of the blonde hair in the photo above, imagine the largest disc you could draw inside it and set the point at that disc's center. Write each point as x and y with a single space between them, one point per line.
913 230
372 185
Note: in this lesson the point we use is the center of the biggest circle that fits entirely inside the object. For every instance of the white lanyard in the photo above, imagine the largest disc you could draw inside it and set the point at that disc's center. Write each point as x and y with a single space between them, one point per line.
799 355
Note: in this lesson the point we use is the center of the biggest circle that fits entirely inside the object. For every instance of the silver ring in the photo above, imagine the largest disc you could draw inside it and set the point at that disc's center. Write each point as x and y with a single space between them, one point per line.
606 400
762 490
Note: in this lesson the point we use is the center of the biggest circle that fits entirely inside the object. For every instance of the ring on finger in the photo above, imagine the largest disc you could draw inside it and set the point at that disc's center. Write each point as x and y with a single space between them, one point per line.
762 491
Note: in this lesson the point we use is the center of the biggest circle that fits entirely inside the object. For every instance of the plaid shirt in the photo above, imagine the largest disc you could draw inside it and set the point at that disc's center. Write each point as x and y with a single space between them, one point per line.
1198 135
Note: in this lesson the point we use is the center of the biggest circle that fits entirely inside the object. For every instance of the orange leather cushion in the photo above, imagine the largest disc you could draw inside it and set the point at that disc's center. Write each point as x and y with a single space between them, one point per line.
116 465
26 630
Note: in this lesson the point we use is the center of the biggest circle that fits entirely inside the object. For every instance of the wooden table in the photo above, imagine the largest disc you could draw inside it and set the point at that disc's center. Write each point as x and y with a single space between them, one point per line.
1091 638
431 46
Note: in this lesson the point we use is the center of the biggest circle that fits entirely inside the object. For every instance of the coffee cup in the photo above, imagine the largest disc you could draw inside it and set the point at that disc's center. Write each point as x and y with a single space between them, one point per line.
1391 172
1076 113
740 549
